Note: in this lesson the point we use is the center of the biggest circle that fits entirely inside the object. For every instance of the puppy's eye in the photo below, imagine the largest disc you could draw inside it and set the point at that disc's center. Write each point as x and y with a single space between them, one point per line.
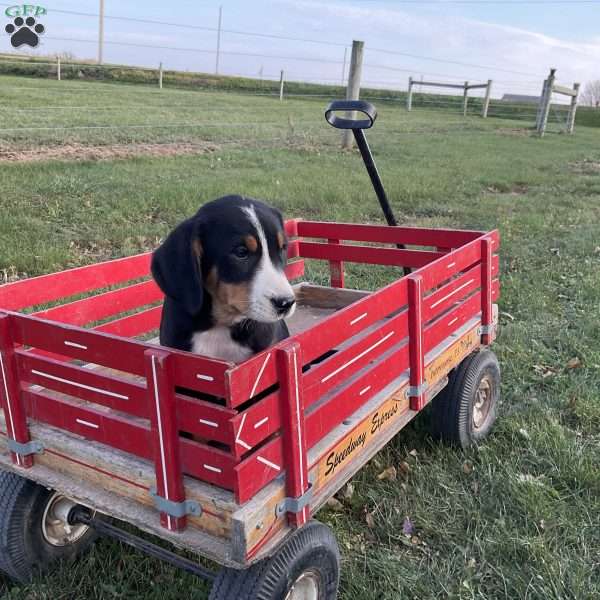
241 252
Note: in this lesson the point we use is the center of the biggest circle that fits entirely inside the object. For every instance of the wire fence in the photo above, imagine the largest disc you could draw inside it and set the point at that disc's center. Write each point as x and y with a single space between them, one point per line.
66 110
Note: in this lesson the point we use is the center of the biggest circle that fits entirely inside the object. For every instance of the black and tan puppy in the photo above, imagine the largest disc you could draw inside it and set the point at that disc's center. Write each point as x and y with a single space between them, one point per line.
222 272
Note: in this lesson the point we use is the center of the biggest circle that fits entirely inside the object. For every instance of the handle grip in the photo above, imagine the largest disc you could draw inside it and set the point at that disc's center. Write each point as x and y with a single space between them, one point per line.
366 108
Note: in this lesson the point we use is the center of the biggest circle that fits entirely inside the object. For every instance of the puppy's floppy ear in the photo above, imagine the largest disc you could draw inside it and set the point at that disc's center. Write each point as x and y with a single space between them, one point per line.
176 266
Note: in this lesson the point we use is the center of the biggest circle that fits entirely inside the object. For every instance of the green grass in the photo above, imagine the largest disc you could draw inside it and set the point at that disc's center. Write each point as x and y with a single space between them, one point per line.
516 518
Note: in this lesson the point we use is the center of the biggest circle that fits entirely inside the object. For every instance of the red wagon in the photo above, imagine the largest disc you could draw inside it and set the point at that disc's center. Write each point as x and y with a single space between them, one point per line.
231 461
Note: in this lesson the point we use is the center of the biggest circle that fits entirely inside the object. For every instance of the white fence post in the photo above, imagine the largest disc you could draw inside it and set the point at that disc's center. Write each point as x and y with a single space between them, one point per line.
160 76
353 89
409 96
281 87
547 101
486 100
58 68
465 99
541 104
573 109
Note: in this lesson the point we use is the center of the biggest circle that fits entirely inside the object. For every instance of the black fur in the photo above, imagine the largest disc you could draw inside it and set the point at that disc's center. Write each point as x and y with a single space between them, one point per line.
220 227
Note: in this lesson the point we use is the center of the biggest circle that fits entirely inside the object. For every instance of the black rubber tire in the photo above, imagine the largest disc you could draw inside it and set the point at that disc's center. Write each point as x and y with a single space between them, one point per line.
23 548
452 408
313 547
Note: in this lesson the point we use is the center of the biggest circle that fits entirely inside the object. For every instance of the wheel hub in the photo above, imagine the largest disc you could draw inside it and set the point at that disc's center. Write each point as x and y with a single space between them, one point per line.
56 528
483 401
306 587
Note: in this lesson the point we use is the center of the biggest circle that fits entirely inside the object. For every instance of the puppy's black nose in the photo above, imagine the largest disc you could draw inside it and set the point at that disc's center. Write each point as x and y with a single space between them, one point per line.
283 304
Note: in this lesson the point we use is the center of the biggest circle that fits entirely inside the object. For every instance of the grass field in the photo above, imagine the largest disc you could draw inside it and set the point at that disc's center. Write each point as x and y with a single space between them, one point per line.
516 518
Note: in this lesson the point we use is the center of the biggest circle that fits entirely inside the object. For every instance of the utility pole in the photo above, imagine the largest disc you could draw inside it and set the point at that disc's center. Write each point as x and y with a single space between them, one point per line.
353 89
101 32
219 40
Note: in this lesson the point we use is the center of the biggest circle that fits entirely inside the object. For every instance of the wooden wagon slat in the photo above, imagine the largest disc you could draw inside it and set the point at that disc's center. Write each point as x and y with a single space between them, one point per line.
207 464
92 346
47 288
294 270
114 392
133 325
368 254
449 238
446 296
195 416
258 373
104 305
205 419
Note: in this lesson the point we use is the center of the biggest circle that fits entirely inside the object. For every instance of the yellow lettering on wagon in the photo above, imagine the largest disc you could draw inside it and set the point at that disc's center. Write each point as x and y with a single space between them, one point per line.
383 417
451 357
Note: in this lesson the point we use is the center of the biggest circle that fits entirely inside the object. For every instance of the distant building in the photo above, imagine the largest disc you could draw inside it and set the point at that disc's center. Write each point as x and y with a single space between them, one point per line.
521 98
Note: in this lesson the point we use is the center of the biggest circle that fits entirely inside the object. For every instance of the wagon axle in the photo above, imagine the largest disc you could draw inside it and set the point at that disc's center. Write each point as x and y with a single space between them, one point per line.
81 515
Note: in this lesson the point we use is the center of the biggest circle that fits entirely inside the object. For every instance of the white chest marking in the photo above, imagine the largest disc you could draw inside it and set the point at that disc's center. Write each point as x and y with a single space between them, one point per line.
217 343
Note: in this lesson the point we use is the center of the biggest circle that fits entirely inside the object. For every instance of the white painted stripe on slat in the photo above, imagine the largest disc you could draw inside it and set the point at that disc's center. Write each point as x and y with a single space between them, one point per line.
88 424
357 357
79 385
359 318
450 265
9 405
74 345
160 436
298 422
260 373
264 461
239 441
453 321
213 469
260 423
204 377
209 423
464 285
364 391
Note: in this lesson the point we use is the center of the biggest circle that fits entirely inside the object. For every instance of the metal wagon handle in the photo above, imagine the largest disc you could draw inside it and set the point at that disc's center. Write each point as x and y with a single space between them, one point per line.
366 108
357 126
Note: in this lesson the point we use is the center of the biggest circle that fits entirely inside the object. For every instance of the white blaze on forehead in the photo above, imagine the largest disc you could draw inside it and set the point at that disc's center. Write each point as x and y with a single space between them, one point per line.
269 282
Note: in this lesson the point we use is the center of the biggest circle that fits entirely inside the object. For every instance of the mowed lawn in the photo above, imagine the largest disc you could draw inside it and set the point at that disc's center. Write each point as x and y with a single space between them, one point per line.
517 517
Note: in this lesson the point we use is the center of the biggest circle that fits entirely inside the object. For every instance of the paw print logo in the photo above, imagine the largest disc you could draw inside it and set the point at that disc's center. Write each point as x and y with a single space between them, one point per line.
24 31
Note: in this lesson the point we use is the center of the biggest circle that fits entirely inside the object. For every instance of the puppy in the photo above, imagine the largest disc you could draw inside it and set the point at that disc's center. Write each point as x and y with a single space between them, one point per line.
222 273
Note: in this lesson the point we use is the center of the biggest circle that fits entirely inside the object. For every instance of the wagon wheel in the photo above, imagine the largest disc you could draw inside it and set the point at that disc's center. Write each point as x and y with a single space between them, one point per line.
34 528
306 567
464 412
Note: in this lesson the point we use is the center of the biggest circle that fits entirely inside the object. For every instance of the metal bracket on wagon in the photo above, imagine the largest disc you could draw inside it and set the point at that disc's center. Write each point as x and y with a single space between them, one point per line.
486 329
175 509
295 505
25 449
413 391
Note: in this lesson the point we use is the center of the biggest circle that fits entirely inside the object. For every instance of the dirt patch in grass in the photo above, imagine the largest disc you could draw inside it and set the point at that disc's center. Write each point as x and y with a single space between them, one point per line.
586 167
79 152
516 189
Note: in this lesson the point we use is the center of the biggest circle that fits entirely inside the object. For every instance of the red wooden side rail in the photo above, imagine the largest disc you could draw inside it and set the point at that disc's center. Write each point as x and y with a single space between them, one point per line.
140 398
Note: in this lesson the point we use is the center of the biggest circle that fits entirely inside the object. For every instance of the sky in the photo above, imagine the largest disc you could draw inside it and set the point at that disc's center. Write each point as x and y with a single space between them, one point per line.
511 42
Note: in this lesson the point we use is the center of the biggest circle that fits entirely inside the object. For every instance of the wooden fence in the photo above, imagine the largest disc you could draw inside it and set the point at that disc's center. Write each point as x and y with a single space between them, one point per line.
551 87
464 86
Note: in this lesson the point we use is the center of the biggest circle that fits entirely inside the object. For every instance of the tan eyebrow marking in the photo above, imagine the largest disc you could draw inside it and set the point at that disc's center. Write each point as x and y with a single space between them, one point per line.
251 243
280 239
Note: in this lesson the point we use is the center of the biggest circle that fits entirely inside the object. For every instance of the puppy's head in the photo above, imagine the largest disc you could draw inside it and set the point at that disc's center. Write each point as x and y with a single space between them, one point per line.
235 249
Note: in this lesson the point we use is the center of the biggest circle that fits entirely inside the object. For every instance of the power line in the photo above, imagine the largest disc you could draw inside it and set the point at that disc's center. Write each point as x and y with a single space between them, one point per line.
198 50
197 27
452 62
